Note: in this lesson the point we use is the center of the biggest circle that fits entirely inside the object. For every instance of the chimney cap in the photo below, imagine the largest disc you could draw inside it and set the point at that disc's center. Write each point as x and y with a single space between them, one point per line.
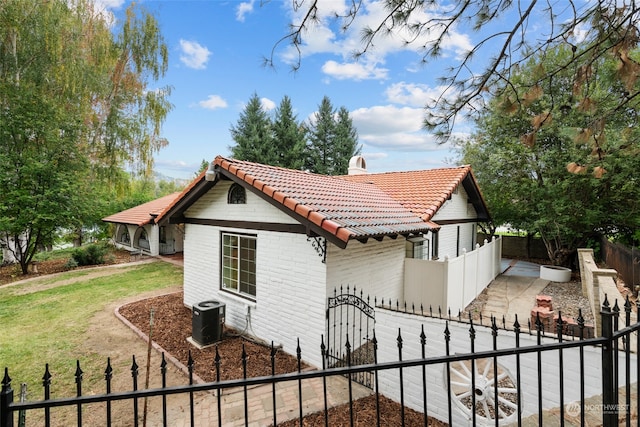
357 166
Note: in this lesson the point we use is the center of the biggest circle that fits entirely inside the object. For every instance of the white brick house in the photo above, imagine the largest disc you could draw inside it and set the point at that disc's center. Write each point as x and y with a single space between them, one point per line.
273 243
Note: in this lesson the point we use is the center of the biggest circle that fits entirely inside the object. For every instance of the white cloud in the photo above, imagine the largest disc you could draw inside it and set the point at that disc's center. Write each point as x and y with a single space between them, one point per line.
390 127
103 10
374 156
194 55
413 94
243 9
213 102
267 104
327 36
108 4
387 119
354 71
402 141
393 128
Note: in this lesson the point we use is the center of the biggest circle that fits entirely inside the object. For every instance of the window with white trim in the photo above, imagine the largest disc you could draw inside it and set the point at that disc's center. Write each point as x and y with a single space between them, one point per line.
417 247
238 273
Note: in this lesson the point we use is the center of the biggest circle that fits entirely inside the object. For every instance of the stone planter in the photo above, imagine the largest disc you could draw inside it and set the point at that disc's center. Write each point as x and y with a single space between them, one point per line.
554 273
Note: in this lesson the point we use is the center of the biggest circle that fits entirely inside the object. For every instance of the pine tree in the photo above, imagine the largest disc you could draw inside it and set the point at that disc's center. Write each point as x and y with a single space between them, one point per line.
289 137
333 140
346 142
322 135
253 134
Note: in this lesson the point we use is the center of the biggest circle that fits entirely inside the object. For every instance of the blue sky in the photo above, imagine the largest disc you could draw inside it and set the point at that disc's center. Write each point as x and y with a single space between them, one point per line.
216 51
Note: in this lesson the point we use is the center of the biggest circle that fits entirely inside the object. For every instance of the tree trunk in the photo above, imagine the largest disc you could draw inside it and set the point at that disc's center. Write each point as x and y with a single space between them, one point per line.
77 239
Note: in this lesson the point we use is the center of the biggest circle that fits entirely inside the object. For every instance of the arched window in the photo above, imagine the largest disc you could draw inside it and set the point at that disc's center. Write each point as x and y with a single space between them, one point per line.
237 195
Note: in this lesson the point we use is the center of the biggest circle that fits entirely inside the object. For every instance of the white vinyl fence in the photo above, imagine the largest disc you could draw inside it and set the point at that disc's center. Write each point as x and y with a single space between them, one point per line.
451 284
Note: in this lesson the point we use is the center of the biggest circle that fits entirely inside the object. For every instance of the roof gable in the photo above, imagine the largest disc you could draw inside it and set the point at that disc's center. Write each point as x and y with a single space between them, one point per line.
340 208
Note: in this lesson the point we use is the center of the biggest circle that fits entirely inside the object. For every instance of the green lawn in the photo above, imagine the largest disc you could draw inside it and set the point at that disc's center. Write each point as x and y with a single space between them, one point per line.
45 321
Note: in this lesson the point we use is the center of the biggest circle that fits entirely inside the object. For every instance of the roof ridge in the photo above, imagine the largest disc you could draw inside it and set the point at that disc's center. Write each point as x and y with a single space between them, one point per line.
461 167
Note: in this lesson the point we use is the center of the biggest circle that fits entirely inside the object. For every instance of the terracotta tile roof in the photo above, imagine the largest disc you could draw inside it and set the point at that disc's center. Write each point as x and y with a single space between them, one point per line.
421 192
144 213
346 209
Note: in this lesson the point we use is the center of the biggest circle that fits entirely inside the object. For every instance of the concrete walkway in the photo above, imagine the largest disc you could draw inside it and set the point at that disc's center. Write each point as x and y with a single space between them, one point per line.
509 296
514 293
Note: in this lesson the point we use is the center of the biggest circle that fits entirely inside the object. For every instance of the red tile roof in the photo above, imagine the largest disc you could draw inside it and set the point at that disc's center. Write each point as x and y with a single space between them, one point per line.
342 207
421 192
145 213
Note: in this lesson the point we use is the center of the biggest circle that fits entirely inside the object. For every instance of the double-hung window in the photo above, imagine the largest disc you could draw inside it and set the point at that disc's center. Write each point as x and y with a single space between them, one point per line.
239 264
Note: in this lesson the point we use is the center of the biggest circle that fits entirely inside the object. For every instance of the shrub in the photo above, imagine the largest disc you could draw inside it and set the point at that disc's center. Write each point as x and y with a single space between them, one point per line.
71 264
92 254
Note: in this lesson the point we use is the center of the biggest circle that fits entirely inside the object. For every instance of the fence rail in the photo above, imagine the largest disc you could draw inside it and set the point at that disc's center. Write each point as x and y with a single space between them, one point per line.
480 390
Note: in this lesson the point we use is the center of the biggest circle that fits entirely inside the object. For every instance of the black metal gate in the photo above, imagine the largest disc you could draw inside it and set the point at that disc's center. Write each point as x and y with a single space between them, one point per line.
350 333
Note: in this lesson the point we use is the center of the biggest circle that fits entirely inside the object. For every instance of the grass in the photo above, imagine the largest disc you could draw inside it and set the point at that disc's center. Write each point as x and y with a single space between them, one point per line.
65 253
46 321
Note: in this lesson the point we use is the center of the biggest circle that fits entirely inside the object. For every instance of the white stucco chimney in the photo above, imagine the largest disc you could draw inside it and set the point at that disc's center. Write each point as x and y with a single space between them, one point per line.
357 166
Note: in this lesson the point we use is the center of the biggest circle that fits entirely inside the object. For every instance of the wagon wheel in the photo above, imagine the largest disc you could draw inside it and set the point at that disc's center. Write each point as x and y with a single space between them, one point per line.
484 390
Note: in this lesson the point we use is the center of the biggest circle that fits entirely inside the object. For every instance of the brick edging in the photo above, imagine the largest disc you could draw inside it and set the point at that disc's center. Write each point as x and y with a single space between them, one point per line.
155 345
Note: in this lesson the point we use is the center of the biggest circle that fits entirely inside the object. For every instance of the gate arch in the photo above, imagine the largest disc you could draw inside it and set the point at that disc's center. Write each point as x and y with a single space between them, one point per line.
350 330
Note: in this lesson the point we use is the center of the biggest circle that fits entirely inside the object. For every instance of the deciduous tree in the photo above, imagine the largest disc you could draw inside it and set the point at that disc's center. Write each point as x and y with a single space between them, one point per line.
75 108
543 170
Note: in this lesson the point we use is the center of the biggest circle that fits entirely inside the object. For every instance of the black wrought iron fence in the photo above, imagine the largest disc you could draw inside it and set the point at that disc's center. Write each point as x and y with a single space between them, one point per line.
490 396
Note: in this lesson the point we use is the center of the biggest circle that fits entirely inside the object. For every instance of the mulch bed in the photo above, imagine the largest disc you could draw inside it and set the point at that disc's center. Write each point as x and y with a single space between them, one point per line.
172 326
365 415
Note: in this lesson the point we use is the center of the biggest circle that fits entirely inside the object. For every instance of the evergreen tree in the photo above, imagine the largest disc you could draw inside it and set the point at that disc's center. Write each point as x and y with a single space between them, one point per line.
253 134
346 142
333 140
322 136
289 137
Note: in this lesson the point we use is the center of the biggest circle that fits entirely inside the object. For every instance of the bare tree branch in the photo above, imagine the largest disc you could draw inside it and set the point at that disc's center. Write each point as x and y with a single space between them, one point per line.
602 27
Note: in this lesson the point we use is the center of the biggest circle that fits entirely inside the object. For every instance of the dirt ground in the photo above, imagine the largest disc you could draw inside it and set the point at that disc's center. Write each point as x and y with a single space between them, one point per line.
172 327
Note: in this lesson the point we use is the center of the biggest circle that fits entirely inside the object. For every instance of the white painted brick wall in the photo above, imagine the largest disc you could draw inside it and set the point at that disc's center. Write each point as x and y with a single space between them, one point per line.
291 278
388 324
291 298
447 240
375 267
214 205
456 208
